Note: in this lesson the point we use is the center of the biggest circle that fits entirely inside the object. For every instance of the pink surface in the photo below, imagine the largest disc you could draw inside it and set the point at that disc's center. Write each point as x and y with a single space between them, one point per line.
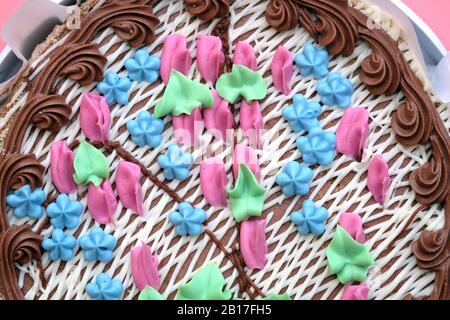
7 8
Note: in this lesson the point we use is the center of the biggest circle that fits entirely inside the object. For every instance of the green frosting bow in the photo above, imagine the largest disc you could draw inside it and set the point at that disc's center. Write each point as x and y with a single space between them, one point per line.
347 258
241 82
182 95
150 294
90 165
247 197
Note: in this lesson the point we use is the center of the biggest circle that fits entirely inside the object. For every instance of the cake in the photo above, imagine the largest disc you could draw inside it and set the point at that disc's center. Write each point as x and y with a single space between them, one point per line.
331 182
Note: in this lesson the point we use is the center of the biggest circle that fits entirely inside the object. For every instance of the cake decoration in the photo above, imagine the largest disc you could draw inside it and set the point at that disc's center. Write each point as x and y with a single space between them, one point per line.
352 133
102 202
251 122
144 267
146 130
95 117
218 119
282 14
176 163
295 179
61 167
311 219
150 294
27 202
213 181
128 176
335 90
90 165
355 292
245 55
98 245
303 114
275 297
175 57
318 147
210 57
253 243
115 88
247 197
105 288
188 220
313 61
64 212
352 223
378 180
244 154
207 10
188 128
143 67
282 70
59 246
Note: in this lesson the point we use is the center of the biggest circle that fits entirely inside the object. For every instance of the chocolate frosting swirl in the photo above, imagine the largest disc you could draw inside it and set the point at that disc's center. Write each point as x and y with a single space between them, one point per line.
208 10
282 14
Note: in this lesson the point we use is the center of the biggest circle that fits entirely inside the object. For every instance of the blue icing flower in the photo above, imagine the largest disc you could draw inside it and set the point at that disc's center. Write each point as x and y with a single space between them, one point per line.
65 213
317 147
98 245
143 67
60 246
27 203
295 179
336 90
302 115
176 163
310 219
188 220
105 288
146 130
313 61
114 88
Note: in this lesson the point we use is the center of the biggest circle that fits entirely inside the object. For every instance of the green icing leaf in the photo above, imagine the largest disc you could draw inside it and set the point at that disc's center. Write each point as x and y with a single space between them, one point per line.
247 197
347 258
150 294
182 95
241 82
90 165
283 296
206 284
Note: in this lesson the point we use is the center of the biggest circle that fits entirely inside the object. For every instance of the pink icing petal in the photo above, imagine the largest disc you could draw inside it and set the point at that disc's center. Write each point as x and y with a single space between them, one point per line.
129 187
61 167
355 292
245 155
144 267
175 55
188 127
219 118
95 117
213 181
253 243
283 69
209 57
352 133
378 179
102 202
244 55
251 122
352 223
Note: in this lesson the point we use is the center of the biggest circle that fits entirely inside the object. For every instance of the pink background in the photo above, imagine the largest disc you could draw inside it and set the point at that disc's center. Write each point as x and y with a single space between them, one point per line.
434 12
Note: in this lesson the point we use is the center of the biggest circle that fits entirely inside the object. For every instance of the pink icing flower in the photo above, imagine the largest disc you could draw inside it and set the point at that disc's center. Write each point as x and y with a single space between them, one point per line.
61 167
144 267
244 55
188 127
352 223
355 292
219 118
378 179
283 69
175 55
213 181
352 133
251 122
245 155
253 243
95 117
102 202
129 187
209 57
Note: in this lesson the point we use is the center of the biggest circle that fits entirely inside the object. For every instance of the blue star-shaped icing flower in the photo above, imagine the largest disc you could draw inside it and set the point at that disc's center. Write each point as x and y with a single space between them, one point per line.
98 245
176 163
146 130
310 219
295 179
65 213
188 220
105 288
317 147
60 246
302 115
143 67
27 203
115 88
313 61
336 90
